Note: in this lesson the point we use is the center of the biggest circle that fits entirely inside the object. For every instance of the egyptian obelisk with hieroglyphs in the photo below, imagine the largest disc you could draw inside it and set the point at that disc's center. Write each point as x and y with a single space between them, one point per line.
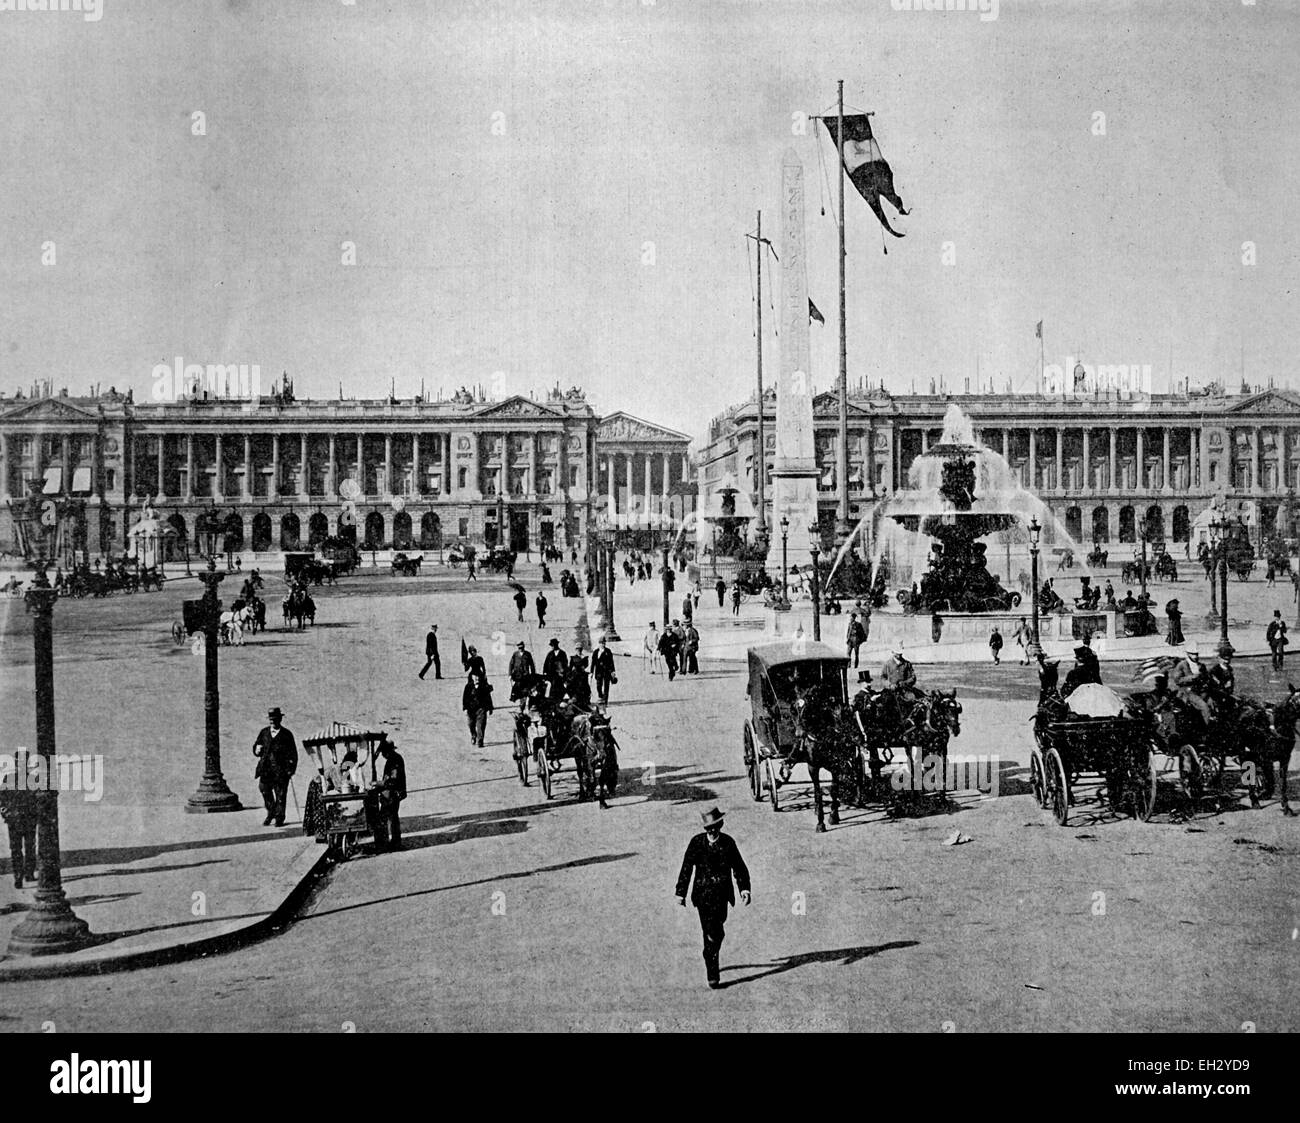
794 472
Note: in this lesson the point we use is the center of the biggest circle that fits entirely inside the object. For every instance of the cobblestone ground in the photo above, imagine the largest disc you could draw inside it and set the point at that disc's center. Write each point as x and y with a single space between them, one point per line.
509 910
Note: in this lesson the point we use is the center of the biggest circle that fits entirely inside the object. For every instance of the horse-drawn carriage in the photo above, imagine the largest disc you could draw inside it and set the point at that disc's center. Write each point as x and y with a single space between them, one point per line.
1135 571
298 607
404 566
342 805
500 559
460 553
551 730
1097 557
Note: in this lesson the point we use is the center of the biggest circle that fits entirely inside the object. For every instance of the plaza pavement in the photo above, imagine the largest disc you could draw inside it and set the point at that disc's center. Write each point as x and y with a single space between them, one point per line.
508 910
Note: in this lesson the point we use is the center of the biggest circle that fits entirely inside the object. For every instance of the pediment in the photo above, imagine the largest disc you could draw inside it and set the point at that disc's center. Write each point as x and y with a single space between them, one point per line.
48 409
625 427
518 406
1270 401
827 403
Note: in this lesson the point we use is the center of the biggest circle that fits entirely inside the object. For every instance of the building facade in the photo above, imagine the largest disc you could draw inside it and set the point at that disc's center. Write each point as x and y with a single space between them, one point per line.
275 471
1102 462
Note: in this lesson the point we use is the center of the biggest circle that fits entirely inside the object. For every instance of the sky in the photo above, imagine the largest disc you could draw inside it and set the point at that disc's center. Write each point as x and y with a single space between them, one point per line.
553 192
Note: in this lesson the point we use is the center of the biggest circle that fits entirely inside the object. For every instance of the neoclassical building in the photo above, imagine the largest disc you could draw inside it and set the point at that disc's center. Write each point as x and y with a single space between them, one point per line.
274 471
1101 462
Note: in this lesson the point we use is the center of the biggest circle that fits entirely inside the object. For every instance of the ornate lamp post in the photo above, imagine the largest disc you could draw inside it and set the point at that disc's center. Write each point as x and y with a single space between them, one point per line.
50 925
1035 648
212 793
666 574
785 535
1212 617
814 548
1225 648
1144 530
611 632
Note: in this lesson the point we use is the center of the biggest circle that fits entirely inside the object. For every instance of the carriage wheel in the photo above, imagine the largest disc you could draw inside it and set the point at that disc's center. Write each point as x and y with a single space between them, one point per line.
1190 774
345 846
1217 763
544 772
771 784
1144 789
1037 781
521 763
752 766
1058 787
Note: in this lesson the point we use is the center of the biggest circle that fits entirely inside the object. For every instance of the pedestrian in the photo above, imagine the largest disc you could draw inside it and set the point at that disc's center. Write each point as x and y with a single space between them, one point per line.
690 649
735 597
277 761
602 670
541 609
555 667
18 809
688 611
431 653
472 661
1270 574
576 685
521 602
650 649
476 701
853 637
510 566
721 589
995 645
1174 635
469 570
522 671
546 574
1275 634
389 796
1023 634
714 859
669 647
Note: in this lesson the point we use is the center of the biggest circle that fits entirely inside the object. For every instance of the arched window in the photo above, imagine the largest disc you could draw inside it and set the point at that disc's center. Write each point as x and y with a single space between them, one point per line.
178 545
1100 524
261 532
1182 525
430 531
1155 523
1127 528
402 530
318 528
1074 523
374 539
290 532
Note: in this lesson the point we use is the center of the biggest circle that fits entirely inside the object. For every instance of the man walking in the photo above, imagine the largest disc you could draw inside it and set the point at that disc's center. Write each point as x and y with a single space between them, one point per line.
995 645
602 670
688 611
431 653
470 575
735 598
522 669
18 809
721 589
1275 634
650 648
691 649
277 754
714 859
476 701
555 667
521 602
670 646
1022 635
854 637
541 609
392 790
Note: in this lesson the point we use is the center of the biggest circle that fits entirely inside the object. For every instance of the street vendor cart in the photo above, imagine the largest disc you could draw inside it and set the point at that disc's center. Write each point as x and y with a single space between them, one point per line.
342 798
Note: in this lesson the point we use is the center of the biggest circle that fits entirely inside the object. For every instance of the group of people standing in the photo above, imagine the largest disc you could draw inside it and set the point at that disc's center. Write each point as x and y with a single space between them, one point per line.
678 645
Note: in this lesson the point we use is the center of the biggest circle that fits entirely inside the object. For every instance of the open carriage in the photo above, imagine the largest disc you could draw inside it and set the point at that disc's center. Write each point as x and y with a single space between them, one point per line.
341 807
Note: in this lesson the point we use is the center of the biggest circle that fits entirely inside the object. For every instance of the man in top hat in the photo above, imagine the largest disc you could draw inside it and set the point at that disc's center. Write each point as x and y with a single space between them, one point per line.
391 792
277 761
1275 634
431 653
1086 669
714 859
602 670
556 667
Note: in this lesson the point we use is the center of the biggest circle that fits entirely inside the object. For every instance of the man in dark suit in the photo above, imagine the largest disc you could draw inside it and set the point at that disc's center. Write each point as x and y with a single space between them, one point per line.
670 646
277 761
541 609
473 663
392 790
715 859
18 809
431 653
555 667
602 670
522 670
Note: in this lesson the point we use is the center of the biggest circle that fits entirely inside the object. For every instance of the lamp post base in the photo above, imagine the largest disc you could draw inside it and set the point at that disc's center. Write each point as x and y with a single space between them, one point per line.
1225 649
212 796
50 927
1033 649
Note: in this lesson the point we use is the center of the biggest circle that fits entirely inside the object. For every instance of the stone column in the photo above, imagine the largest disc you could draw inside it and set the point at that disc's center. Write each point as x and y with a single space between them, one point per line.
361 462
189 465
1164 464
162 460
925 439
686 471
612 501
388 464
1141 460
1087 459
1280 478
332 480
1033 459
416 489
1006 445
1194 460
304 468
219 478
1257 459
248 467
446 463
274 491
1113 480
4 466
533 487
1060 458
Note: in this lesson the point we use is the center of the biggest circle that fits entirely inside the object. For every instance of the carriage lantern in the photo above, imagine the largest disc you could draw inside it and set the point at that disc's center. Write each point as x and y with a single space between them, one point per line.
1035 648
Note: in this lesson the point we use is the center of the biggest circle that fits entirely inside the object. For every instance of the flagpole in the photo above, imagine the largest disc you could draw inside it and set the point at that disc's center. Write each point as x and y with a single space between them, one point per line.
842 528
760 455
1042 358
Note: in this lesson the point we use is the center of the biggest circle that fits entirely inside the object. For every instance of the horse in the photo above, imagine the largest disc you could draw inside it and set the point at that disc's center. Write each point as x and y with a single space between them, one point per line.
595 756
1285 716
826 737
299 606
927 726
231 626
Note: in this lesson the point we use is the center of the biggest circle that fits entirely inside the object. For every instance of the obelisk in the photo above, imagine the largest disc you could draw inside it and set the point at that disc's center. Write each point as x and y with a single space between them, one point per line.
794 472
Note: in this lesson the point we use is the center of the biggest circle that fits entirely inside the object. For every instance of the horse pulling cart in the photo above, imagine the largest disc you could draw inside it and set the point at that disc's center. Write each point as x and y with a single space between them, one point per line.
549 732
342 798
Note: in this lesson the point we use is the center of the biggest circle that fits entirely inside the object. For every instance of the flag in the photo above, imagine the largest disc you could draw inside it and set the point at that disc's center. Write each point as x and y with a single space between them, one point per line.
813 313
866 167
1038 332
464 654
1161 665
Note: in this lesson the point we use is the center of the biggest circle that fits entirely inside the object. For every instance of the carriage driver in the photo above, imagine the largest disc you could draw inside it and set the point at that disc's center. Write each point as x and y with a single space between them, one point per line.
898 683
1192 684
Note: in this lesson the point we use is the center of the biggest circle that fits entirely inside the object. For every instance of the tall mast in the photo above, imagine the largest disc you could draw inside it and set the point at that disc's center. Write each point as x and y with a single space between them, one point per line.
760 454
842 527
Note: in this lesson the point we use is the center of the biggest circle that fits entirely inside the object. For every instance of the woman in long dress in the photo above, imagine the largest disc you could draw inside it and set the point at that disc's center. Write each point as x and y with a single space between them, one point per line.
1174 636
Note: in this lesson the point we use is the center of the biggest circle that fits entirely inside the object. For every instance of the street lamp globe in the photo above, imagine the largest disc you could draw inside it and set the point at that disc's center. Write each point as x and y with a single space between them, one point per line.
1034 532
